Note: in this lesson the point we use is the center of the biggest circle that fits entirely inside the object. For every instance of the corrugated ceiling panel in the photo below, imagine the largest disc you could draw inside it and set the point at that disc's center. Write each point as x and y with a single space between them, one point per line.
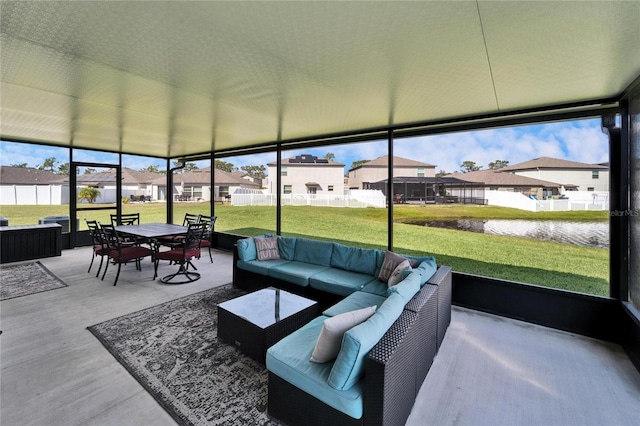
174 78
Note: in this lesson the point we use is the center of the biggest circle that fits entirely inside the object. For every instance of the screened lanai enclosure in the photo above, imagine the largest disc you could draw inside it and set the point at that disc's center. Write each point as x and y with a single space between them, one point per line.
187 81
432 190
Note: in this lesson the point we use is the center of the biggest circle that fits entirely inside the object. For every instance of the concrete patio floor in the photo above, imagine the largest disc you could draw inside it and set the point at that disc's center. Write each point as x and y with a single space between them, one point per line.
489 371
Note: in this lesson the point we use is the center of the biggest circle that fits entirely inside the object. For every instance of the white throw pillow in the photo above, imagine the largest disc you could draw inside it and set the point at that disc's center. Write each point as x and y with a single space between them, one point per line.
396 275
330 338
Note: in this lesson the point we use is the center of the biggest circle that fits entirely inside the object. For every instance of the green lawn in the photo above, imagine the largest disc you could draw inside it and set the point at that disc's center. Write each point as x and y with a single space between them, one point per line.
574 268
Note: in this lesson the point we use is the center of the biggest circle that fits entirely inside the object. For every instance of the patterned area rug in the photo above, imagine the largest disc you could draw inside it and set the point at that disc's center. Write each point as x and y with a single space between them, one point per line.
26 278
173 350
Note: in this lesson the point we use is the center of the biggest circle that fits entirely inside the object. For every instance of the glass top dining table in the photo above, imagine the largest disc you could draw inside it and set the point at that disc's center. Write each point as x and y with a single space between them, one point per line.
152 230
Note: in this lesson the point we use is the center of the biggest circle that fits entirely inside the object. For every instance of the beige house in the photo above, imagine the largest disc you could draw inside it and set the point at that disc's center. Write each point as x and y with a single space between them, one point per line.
196 185
135 184
572 175
496 180
376 170
307 174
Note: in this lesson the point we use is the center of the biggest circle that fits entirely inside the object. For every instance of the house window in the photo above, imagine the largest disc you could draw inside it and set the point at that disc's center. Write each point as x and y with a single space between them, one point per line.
595 174
287 189
493 188
312 190
330 188
591 188
224 191
420 171
283 171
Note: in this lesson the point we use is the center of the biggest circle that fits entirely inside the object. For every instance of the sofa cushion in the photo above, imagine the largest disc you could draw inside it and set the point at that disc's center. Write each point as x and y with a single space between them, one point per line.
267 248
357 342
295 272
289 360
389 263
357 300
287 246
247 249
353 259
313 251
426 269
333 328
260 266
376 287
338 281
408 287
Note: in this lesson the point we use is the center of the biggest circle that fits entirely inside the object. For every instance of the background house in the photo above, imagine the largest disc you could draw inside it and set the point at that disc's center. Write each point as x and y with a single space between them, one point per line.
307 174
196 185
572 175
134 182
28 185
376 171
496 180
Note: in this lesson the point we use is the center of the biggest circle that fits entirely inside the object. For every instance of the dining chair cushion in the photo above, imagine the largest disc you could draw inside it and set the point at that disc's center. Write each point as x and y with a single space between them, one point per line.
177 254
129 253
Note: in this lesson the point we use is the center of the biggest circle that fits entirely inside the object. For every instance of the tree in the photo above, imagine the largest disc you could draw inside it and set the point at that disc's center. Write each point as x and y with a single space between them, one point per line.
89 194
441 173
469 166
498 164
89 170
329 156
48 165
223 165
154 169
358 163
63 169
256 172
21 165
189 167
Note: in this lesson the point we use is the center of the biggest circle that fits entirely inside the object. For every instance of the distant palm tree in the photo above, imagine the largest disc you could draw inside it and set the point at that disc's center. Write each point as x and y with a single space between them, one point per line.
89 194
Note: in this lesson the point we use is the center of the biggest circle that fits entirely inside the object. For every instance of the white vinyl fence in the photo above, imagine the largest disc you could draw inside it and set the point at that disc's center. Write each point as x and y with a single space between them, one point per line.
354 198
576 200
34 194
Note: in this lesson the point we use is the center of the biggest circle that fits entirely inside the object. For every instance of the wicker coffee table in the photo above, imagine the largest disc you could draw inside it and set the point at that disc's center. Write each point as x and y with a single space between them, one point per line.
256 321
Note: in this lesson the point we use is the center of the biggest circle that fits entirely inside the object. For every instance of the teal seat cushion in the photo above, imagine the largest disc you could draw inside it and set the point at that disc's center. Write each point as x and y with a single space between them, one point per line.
357 300
287 246
296 272
289 360
357 342
376 287
408 287
338 281
426 269
261 266
353 259
313 251
247 249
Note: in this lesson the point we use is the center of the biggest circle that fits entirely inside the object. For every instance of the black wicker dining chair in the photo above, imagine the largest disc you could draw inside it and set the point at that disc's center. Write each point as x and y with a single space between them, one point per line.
100 246
210 221
182 255
175 240
120 253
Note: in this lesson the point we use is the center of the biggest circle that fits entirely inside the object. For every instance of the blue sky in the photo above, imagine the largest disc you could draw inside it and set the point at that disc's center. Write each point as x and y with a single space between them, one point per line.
581 141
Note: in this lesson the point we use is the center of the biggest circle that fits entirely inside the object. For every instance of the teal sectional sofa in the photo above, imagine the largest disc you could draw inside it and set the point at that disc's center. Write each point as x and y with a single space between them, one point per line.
381 362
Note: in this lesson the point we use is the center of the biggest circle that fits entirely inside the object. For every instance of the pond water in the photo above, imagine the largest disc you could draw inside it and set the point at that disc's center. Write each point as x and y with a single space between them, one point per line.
590 234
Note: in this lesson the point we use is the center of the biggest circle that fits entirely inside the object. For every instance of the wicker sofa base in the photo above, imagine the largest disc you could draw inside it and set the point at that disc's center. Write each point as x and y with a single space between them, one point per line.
394 369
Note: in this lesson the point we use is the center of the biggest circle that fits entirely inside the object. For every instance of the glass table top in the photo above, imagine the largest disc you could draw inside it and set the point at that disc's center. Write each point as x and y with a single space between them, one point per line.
265 307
